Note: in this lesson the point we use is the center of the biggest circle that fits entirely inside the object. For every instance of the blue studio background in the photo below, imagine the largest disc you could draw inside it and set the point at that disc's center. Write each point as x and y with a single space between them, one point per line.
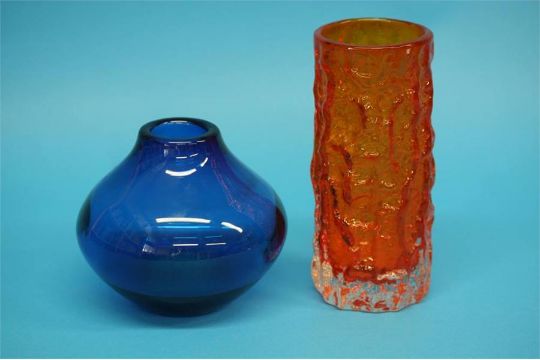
80 78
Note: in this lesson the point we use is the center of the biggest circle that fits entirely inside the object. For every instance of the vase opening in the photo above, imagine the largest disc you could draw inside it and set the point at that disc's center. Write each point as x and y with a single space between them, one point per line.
372 32
179 129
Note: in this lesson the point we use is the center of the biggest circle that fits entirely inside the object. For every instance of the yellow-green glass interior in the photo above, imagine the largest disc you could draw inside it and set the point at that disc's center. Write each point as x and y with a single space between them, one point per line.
372 32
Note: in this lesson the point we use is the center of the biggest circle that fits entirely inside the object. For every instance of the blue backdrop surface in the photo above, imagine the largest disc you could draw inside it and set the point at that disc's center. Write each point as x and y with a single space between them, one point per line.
80 78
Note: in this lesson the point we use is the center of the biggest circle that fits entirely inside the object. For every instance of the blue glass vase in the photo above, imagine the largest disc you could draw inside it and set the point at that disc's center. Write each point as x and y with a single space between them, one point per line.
181 226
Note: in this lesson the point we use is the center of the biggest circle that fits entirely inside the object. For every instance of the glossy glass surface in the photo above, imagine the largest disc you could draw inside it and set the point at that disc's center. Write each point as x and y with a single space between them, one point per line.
181 225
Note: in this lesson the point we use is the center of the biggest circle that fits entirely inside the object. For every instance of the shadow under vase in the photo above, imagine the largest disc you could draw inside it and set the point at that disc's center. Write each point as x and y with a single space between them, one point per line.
182 306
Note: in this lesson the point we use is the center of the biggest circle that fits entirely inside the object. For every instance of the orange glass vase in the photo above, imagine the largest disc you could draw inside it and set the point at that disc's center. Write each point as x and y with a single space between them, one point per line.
372 168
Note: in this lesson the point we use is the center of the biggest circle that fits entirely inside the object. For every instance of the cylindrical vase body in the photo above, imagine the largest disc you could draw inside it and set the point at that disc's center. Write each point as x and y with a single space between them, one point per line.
372 168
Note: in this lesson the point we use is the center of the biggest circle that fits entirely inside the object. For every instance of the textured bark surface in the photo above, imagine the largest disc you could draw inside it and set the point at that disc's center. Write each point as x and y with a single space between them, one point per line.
372 173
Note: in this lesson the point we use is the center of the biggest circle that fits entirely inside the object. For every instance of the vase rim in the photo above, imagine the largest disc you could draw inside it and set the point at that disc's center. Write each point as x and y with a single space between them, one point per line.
199 131
425 34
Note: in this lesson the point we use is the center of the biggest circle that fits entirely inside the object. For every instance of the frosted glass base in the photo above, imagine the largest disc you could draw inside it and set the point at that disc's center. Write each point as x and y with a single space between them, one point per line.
400 289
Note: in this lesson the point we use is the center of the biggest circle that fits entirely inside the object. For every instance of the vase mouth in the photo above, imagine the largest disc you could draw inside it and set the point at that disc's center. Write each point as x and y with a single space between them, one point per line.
373 33
179 130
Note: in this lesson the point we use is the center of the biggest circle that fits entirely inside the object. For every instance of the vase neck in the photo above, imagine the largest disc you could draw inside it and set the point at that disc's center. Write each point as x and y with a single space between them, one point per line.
179 138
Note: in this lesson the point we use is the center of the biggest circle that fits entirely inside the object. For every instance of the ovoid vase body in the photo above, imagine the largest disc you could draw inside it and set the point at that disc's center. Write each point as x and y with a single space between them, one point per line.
181 226
372 166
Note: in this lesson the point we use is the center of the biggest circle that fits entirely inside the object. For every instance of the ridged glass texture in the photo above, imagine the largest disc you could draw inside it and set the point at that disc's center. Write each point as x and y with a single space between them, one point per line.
372 167
181 226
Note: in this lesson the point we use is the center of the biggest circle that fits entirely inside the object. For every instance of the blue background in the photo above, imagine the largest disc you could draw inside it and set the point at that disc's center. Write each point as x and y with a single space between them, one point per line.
79 79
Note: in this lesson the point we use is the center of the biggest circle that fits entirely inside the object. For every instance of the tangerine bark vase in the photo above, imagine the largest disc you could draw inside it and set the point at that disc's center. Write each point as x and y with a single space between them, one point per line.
181 226
372 168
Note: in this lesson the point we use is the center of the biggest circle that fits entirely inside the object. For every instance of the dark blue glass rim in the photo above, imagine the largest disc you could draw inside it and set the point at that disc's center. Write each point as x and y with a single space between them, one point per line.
212 130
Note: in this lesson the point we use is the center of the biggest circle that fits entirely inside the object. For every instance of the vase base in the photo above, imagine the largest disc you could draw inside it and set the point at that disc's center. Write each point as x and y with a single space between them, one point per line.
182 306
402 291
